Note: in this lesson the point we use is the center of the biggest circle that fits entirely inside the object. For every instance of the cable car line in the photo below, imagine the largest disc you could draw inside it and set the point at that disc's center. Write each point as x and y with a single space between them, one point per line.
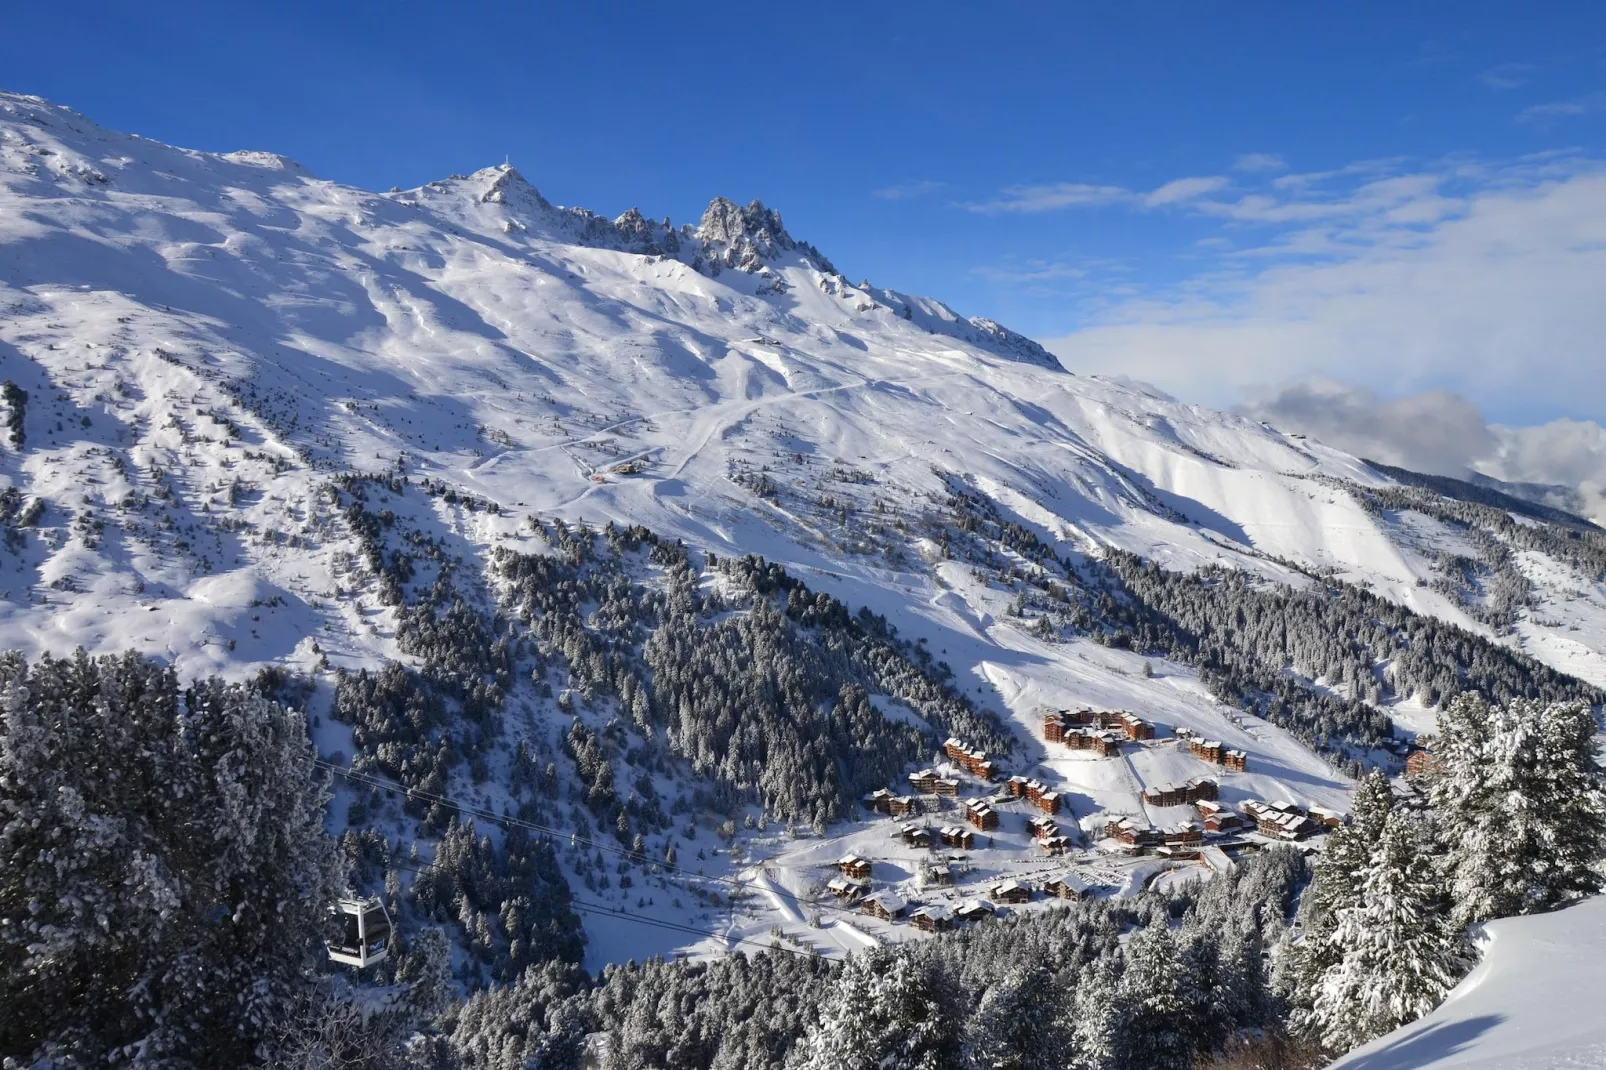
672 926
547 830
620 912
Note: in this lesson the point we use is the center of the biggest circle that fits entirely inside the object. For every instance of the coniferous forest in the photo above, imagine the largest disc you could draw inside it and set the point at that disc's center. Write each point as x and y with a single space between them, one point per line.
165 849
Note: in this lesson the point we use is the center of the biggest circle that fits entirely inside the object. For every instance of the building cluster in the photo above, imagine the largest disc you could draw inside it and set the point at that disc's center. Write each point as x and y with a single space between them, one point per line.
1137 833
882 801
1196 790
955 836
1095 730
1047 836
852 886
981 814
1219 819
1035 792
930 782
1213 750
1290 821
974 762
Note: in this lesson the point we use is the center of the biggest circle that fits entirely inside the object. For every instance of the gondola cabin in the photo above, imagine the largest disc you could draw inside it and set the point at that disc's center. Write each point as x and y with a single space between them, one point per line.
365 932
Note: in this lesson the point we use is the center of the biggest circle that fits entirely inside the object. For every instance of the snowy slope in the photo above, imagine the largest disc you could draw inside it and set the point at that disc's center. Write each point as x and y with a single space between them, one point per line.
205 340
1532 1003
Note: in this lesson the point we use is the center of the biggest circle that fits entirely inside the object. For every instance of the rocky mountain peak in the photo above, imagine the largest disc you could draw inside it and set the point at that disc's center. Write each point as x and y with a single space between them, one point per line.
747 236
503 184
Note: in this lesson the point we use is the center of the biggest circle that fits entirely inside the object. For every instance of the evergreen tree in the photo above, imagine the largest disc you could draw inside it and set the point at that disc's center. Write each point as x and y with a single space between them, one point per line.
1019 1024
1156 995
164 873
1517 790
889 1011
1336 885
1398 954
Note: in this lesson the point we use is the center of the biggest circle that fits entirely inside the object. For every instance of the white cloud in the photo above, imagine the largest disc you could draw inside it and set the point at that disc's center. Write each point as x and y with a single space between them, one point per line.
1546 114
1185 189
1487 280
903 191
1051 198
1259 161
1031 271
1506 75
1434 431
1440 432
1057 196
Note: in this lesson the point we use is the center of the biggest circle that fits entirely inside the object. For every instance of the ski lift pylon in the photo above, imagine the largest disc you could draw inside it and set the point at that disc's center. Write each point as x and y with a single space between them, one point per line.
365 932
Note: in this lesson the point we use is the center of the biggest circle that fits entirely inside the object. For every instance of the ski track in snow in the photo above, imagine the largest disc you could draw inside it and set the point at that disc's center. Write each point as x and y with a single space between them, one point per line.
466 330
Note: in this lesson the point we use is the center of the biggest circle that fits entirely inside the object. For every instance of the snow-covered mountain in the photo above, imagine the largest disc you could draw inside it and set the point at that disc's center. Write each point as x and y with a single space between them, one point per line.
202 345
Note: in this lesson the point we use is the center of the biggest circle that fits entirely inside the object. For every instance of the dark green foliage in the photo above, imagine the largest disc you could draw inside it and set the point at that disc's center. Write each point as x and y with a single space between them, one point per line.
1049 989
512 900
15 399
164 873
1242 634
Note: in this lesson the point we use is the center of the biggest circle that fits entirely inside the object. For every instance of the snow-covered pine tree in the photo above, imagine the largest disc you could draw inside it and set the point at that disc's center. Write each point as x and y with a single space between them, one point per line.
164 872
1517 795
1335 885
1097 1019
889 1011
1156 994
1398 954
1516 792
1020 1023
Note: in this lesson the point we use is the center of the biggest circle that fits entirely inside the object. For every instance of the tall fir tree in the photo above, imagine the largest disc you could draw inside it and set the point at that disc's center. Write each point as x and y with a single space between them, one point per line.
890 1010
1020 1023
1336 885
1398 953
1517 793
164 872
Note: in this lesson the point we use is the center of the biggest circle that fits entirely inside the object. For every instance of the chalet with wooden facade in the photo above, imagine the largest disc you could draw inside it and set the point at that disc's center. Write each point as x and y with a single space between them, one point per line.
930 782
1091 730
981 815
854 867
1136 728
1195 790
955 836
1132 832
1183 834
1419 762
1066 887
1218 818
1280 820
1054 846
1213 750
974 762
1331 819
1042 827
888 906
1035 792
844 889
915 836
1010 891
932 918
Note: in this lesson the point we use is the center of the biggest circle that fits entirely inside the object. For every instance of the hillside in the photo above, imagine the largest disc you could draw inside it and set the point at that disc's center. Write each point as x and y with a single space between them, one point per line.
258 420
1531 1004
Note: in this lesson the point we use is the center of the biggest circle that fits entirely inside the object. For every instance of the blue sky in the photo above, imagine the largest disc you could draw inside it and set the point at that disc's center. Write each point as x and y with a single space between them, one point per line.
1224 199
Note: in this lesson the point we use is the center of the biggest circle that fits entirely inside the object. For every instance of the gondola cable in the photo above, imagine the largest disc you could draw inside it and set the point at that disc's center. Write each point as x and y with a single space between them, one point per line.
547 830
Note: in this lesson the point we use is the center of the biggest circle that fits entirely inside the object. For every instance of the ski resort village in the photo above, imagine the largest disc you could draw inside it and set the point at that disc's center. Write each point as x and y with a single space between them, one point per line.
446 629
